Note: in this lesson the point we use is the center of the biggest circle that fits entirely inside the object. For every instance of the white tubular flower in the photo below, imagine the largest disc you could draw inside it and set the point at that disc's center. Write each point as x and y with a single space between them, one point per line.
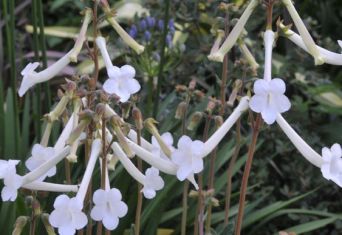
132 135
31 77
269 99
332 164
46 166
234 34
50 187
299 143
328 56
268 41
61 142
12 181
95 151
308 41
108 207
41 155
188 157
121 80
168 140
215 139
67 215
153 182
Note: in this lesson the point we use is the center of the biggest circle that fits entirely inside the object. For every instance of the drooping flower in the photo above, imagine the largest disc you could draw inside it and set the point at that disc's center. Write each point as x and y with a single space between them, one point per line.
12 181
40 155
269 99
188 157
108 208
157 150
121 80
332 164
67 215
152 182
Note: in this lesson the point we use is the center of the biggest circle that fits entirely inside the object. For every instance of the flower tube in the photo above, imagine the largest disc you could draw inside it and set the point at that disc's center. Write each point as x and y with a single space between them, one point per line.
328 56
311 155
44 186
268 41
234 34
61 141
307 39
215 139
95 151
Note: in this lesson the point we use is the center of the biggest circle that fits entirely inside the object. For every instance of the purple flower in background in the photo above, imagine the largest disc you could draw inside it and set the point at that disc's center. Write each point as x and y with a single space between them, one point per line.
147 36
133 31
143 25
160 24
172 25
151 21
169 40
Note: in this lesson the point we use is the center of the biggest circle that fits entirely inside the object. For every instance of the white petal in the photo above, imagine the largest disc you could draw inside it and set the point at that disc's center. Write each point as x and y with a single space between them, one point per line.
8 194
197 147
123 93
326 154
336 150
61 201
66 230
178 157
168 139
114 195
121 209
183 172
158 183
99 197
110 222
149 193
97 212
127 71
325 169
184 142
269 115
30 67
79 220
261 87
197 165
282 102
277 86
258 103
110 86
132 85
59 218
113 72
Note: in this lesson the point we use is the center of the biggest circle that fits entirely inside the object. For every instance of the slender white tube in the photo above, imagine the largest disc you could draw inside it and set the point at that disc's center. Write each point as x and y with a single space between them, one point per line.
163 165
310 154
215 139
50 187
45 167
234 34
65 134
101 44
132 135
308 41
328 56
268 41
95 151
127 164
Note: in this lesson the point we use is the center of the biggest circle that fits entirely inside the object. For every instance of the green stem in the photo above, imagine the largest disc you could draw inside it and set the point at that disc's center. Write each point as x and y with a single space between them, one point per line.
162 56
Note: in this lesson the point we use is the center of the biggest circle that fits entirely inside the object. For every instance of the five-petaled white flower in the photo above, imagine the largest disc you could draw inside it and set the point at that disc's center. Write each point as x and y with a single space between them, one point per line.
108 207
67 215
168 140
121 82
40 155
12 181
152 183
188 157
269 99
332 164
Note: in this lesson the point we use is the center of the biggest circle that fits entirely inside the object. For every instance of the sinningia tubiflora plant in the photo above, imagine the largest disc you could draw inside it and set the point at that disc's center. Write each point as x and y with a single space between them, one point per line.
108 137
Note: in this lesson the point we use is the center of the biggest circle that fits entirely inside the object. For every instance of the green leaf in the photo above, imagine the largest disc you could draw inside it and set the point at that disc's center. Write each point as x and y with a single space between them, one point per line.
311 226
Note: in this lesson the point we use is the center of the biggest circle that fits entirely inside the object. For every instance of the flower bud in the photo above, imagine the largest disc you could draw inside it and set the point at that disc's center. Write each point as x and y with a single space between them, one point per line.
181 88
78 130
218 121
116 123
149 124
20 224
181 110
237 87
45 219
196 119
192 84
58 110
137 116
126 108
